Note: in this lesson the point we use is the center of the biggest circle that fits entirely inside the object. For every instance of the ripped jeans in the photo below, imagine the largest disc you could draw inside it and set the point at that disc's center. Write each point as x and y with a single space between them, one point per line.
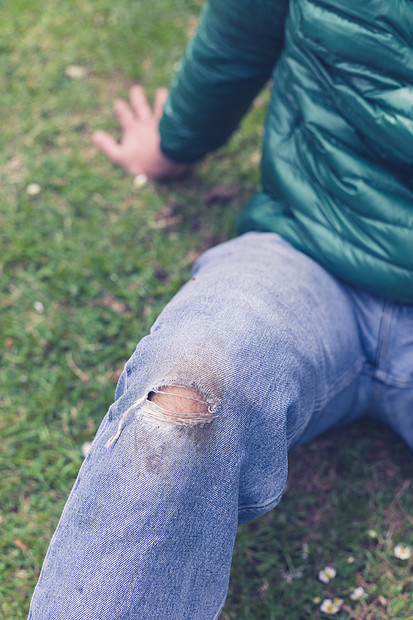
278 350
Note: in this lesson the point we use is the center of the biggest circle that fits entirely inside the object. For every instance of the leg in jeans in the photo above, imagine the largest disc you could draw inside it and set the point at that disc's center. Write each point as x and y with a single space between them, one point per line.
260 345
386 329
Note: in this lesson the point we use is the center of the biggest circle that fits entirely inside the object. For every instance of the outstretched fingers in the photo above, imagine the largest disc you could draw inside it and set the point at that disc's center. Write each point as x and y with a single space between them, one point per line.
138 151
124 114
139 103
108 146
161 96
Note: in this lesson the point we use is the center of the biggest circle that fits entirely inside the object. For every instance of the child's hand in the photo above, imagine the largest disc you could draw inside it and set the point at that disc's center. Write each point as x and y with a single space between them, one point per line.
139 149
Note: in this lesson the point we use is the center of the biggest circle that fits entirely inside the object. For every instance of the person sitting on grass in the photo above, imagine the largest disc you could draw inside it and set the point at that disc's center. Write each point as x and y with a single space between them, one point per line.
302 323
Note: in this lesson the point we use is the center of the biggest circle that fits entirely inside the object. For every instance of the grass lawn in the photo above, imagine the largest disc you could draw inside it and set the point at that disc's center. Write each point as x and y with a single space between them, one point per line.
87 263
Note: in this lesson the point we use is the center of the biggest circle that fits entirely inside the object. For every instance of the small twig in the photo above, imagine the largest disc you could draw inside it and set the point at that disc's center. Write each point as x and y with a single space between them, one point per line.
405 486
78 372
350 612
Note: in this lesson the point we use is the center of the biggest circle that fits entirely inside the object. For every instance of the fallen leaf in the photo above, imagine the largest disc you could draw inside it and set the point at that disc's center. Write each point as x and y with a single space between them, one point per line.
20 544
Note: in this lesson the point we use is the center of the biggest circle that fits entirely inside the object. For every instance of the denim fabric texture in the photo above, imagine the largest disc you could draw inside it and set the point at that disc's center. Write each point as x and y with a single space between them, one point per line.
281 350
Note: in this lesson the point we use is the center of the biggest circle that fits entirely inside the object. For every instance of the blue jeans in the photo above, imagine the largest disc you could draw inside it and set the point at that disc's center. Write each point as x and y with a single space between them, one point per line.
280 350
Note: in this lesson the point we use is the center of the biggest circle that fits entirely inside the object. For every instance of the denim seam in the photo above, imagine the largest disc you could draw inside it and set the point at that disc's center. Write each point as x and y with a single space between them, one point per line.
342 383
384 335
275 499
389 379
381 375
380 352
221 607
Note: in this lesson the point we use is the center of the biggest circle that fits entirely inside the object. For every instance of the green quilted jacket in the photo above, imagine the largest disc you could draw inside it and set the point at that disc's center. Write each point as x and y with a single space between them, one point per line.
337 164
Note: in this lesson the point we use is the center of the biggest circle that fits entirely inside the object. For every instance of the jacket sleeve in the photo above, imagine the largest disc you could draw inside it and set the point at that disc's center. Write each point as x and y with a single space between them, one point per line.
226 64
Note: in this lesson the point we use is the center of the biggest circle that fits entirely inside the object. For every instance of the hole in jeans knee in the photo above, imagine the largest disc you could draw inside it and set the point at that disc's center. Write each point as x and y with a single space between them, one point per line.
176 405
179 400
170 406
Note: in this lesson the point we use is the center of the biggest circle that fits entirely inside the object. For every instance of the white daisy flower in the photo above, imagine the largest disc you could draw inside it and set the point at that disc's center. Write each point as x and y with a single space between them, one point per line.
327 574
331 606
76 72
290 575
33 189
86 448
357 593
140 180
403 552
